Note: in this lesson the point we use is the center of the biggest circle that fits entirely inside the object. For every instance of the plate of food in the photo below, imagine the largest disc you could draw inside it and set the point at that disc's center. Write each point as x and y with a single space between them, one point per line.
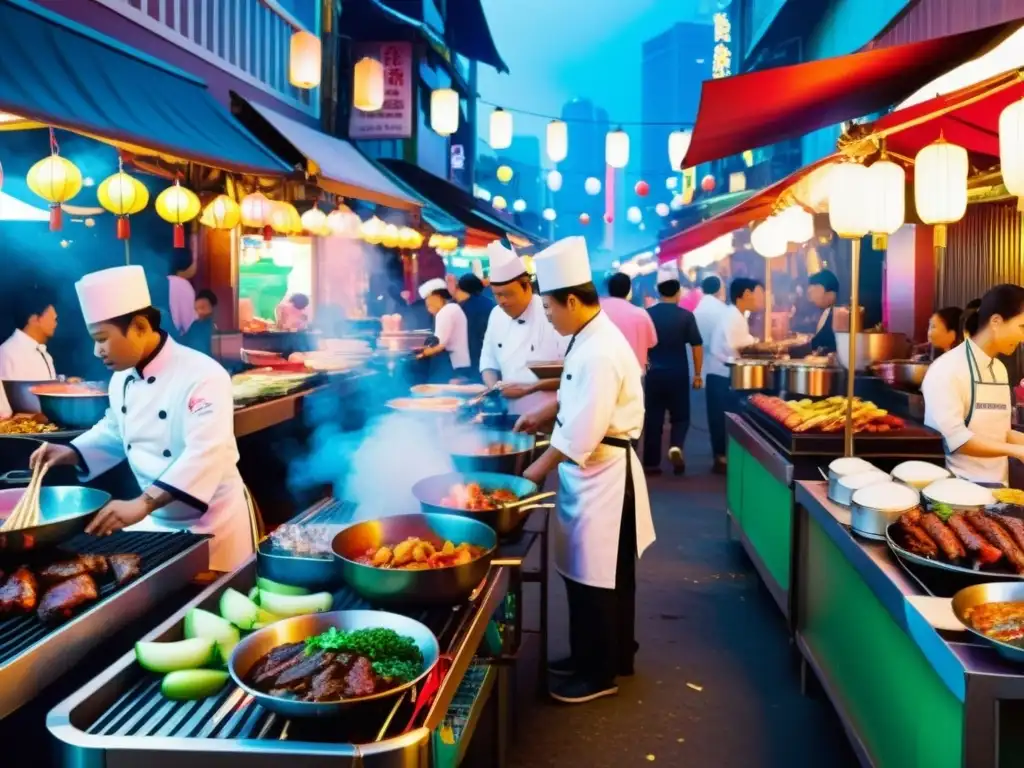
994 612
450 390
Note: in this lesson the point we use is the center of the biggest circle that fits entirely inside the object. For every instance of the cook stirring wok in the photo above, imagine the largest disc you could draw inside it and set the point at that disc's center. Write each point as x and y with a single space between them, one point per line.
171 415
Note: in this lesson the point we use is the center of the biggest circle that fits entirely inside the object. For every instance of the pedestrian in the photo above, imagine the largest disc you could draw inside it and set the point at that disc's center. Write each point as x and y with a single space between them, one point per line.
711 308
633 321
477 308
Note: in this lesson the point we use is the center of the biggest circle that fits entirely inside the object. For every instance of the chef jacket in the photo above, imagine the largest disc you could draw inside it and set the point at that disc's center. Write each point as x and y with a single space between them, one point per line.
512 343
172 417
600 395
22 358
452 332
731 334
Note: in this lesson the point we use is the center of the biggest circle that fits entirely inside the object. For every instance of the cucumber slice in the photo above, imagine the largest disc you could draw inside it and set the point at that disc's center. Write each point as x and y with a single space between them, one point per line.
296 605
190 684
171 657
238 609
265 617
254 595
200 623
277 587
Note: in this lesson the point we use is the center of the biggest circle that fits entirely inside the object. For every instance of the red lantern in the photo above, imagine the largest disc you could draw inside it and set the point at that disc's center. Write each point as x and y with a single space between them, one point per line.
642 188
584 218
608 218
707 183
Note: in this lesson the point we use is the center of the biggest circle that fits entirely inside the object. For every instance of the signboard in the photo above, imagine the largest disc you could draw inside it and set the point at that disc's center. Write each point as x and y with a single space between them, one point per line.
394 119
721 62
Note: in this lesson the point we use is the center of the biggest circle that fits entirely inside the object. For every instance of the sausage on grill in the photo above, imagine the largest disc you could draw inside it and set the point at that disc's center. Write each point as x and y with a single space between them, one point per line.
943 535
998 536
972 540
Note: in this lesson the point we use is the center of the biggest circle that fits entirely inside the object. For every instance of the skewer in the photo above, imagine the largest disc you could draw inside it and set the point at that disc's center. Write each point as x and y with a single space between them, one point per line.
26 513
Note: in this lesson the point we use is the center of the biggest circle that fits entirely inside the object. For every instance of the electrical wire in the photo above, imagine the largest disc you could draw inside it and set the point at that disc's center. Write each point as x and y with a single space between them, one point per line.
680 124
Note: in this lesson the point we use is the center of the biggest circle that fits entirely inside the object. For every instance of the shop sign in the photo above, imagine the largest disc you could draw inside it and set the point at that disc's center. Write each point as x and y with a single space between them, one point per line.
394 119
721 62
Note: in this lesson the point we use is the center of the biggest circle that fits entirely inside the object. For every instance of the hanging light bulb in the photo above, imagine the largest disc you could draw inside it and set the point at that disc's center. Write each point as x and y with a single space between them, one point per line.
554 181
592 186
1011 149
368 85
678 146
444 111
501 129
504 174
519 205
549 214
661 209
343 222
798 224
634 215
616 148
557 141
499 202
256 210
849 187
314 221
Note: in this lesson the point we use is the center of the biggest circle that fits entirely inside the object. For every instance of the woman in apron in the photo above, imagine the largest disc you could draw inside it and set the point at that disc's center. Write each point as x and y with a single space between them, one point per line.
447 352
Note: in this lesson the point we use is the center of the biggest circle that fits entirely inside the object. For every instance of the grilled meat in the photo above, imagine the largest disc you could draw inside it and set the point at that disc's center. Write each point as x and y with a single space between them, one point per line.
276 662
998 536
360 680
297 678
915 537
330 684
972 540
1014 525
943 535
125 567
54 573
63 600
20 593
913 515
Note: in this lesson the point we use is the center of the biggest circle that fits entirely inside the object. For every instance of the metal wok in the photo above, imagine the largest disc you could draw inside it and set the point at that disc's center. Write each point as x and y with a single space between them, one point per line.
430 491
432 586
972 597
65 510
298 629
467 449
73 410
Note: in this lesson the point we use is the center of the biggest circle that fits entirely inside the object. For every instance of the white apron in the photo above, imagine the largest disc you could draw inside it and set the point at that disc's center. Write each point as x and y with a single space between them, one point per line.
990 415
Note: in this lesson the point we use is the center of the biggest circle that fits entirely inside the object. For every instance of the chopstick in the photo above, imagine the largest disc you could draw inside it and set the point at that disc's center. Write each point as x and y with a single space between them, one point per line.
26 513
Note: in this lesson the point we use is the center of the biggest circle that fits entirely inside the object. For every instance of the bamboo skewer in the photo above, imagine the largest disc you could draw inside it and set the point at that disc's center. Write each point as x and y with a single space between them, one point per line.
26 513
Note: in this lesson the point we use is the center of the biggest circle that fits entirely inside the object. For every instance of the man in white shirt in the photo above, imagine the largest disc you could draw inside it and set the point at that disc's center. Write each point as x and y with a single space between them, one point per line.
449 355
23 357
730 335
711 308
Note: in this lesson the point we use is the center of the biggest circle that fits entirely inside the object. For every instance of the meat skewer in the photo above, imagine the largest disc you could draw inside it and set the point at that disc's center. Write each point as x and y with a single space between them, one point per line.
917 540
943 535
998 536
62 601
972 540
20 593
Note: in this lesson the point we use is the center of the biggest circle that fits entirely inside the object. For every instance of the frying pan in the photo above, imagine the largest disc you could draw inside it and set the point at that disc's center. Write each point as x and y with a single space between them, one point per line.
979 594
467 451
505 519
65 510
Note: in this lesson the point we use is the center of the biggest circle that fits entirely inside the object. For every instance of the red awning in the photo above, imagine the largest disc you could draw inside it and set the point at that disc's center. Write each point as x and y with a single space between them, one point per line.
771 105
756 207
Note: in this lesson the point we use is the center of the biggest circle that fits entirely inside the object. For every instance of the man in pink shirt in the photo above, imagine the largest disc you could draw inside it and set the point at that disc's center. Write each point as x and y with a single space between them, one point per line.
634 322
691 299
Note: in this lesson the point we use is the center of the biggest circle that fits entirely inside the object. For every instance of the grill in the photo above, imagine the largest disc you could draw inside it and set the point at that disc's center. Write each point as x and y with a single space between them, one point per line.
33 654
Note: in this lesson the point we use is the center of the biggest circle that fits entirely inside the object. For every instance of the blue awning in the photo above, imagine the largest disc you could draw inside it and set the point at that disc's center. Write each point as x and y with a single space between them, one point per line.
57 72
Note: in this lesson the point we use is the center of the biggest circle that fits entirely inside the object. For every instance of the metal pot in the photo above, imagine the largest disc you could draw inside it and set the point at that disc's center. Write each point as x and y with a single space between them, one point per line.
505 519
748 374
298 629
906 375
73 411
432 586
872 348
467 449
811 380
842 493
19 395
871 522
64 513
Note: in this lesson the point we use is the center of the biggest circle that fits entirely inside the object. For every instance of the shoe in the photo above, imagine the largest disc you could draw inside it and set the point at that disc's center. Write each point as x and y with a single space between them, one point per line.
562 667
675 455
579 690
652 471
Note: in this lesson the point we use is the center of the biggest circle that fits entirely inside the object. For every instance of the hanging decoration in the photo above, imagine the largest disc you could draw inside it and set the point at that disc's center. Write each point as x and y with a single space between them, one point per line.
372 230
592 186
344 222
797 224
256 209
671 183
554 181
501 129
634 215
708 183
409 239
444 111
940 186
314 221
519 205
122 195
886 202
616 148
443 243
305 60
221 213
177 205
499 202
678 146
504 174
549 214
284 219
557 141
608 218
642 189
56 180
389 237
849 187
769 238
1011 149
368 85
584 219
661 209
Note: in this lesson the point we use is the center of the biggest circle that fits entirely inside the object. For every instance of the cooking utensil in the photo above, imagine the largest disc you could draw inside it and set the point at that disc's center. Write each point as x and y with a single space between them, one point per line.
26 513
749 374
20 397
906 375
298 629
505 519
430 586
893 537
810 379
849 465
65 510
841 318
872 348
871 522
314 573
919 474
74 410
467 449
993 592
841 489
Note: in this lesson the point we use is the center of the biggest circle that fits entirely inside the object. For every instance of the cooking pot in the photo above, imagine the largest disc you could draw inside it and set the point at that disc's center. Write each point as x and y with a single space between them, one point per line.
871 521
74 410
810 379
749 374
906 375
872 348
468 450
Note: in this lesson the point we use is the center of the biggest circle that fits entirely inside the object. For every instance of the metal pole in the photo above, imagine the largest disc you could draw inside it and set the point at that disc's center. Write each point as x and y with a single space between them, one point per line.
767 299
854 330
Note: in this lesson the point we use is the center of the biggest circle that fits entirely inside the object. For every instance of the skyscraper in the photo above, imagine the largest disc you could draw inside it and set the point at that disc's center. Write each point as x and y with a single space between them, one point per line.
587 125
524 158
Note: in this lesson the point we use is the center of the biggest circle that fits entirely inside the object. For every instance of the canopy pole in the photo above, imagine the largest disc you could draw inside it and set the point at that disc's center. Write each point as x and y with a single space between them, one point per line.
767 299
851 369
127 253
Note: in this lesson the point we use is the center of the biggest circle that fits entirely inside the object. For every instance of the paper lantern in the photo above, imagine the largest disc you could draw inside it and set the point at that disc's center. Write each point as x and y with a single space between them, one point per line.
584 219
554 181
372 230
177 205
886 202
642 188
314 221
592 186
678 146
343 222
678 201
849 187
708 183
481 193
798 224
122 195
504 174
501 129
557 141
616 148
389 237
55 179
1011 148
444 111
940 186
661 209
671 183
769 238
549 214
519 205
499 202
304 60
634 215
256 210
284 219
409 239
368 85
221 213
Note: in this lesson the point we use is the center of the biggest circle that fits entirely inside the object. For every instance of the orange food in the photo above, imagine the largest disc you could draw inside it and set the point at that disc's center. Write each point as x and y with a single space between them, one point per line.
498 449
415 554
473 498
83 389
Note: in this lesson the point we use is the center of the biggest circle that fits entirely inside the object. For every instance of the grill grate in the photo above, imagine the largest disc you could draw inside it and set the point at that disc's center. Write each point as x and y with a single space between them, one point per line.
155 548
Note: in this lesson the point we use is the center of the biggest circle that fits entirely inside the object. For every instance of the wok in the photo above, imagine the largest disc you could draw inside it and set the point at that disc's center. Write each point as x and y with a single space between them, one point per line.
297 629
73 410
435 586
467 451
65 510
979 594
506 519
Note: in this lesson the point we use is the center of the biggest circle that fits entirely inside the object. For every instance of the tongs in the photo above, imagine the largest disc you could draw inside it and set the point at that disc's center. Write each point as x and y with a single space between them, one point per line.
474 401
520 504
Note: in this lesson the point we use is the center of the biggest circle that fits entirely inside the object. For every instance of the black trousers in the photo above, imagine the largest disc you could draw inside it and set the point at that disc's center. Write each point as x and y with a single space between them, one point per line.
602 622
665 391
721 400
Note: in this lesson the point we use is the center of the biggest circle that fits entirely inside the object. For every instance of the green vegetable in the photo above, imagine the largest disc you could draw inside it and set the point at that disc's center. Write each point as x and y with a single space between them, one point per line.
200 623
268 585
294 605
190 684
171 657
942 511
394 656
397 671
238 609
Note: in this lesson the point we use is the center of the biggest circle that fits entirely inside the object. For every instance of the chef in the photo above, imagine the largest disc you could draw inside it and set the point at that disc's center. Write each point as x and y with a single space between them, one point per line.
448 352
24 357
604 515
967 392
822 290
518 334
171 415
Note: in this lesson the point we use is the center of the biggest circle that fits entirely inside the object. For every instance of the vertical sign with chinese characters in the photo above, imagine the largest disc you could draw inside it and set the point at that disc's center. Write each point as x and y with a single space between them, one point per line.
721 61
394 119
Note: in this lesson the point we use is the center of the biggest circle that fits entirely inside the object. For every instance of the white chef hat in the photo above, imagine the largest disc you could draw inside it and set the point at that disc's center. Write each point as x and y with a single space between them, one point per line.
563 264
667 271
112 293
505 263
436 284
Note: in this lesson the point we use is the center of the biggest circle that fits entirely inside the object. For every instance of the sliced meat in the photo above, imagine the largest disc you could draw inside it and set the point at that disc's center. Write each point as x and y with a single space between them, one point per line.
125 567
20 593
1014 525
328 685
63 600
360 680
943 535
915 538
299 676
96 564
998 537
972 540
275 662
54 573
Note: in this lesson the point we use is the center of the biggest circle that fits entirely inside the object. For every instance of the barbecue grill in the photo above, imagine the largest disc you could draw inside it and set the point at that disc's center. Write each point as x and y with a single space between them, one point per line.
33 655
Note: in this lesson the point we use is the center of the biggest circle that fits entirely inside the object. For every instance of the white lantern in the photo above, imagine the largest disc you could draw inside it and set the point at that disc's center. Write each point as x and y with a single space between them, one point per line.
519 205
482 193
549 214
886 202
671 183
677 202
314 221
616 148
849 187
343 222
444 111
940 183
499 203
633 215
1011 147
798 224
678 145
554 181
557 141
592 186
769 238
368 85
501 129
304 60
661 209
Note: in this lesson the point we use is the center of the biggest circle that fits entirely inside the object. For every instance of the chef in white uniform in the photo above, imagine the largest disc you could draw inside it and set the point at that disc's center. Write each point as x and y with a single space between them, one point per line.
967 392
171 415
24 357
518 334
604 514
448 354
